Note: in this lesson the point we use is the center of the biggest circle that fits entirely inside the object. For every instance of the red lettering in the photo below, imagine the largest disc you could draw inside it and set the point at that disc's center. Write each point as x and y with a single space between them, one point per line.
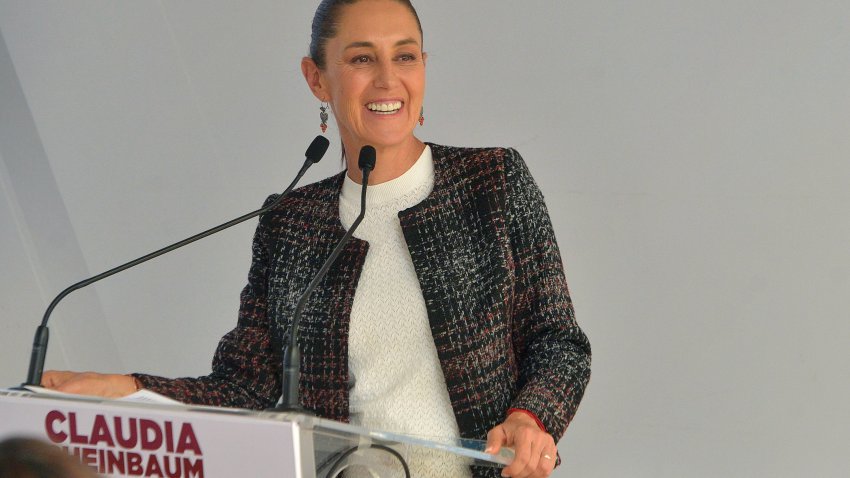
106 433
134 464
100 432
114 462
72 424
49 421
119 434
73 451
89 456
153 468
188 440
150 434
193 468
178 468
169 437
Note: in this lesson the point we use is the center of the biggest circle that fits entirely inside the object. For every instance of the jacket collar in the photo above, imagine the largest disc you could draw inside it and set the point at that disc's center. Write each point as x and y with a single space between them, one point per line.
332 187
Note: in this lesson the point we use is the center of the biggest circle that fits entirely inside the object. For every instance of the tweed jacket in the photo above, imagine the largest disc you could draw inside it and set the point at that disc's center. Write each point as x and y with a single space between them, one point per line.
491 275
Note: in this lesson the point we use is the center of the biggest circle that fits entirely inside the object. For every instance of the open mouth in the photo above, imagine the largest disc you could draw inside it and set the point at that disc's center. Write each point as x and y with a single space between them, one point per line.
384 107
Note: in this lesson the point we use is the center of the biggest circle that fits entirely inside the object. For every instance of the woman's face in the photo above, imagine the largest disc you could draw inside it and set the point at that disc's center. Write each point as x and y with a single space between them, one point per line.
374 76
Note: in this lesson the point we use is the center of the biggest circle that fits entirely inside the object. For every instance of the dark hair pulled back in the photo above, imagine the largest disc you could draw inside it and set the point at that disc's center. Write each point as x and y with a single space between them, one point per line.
325 23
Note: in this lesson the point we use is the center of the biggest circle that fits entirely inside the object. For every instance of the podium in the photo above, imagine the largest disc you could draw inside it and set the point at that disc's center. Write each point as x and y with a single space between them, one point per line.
121 438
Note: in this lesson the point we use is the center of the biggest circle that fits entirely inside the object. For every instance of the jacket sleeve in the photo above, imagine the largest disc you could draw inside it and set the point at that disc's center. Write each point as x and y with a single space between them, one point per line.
553 353
246 367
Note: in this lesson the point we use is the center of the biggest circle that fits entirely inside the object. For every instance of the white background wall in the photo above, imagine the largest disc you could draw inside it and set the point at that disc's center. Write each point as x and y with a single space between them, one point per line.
695 157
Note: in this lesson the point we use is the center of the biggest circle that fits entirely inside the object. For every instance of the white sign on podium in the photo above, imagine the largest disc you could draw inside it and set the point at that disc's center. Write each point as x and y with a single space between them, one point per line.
120 439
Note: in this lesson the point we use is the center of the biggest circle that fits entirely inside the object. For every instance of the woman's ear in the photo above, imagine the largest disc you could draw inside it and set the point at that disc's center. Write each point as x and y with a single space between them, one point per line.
313 76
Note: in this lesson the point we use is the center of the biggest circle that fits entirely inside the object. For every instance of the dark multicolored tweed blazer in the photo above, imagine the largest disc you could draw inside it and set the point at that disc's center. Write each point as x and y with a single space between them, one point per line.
491 275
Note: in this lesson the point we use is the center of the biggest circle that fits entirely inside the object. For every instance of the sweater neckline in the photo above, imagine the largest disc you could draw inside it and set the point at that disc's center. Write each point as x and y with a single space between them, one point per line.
419 174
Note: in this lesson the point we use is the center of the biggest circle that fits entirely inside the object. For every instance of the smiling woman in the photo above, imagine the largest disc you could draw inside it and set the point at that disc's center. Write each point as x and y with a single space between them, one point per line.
368 64
448 314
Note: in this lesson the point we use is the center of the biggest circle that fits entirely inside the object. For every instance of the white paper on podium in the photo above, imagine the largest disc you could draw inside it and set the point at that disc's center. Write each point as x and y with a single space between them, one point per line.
141 396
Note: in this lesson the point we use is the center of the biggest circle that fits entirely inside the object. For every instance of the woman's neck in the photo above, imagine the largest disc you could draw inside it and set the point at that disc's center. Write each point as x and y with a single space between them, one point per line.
393 160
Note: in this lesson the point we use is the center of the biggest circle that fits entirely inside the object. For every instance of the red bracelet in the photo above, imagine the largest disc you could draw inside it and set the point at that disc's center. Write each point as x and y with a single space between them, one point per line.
530 414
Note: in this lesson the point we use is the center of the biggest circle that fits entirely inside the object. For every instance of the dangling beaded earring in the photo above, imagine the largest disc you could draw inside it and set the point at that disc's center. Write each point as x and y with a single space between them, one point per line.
323 115
422 116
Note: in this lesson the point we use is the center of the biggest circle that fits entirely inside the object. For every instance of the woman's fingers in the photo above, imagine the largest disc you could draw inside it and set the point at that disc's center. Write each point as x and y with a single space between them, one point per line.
86 383
547 460
544 456
522 450
496 439
55 378
89 383
535 450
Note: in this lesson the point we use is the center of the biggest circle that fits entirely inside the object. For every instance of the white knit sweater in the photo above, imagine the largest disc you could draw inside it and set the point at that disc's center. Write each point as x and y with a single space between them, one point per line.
399 385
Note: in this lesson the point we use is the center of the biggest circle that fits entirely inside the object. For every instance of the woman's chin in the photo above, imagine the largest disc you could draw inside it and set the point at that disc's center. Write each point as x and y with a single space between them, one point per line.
386 137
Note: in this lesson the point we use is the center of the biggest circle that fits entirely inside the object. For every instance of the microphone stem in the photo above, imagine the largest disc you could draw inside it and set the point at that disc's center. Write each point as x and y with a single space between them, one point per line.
291 372
40 341
302 301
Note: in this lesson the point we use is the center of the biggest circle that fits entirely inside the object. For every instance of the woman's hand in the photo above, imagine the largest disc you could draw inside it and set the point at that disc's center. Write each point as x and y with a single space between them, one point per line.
535 449
89 383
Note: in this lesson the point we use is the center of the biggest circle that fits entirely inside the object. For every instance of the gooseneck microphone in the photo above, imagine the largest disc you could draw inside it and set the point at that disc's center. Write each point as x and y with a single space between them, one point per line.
314 153
290 401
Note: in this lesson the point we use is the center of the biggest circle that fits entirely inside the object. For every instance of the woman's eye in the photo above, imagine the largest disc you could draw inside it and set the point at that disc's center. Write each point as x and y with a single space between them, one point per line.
407 57
360 59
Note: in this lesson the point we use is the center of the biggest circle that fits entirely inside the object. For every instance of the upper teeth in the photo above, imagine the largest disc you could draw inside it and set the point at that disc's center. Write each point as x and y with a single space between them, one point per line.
390 106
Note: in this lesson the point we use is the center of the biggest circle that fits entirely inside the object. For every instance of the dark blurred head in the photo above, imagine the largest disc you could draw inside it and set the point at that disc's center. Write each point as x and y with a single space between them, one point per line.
31 458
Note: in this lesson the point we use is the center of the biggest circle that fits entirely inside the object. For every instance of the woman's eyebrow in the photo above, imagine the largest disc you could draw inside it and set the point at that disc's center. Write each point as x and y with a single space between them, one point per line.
367 44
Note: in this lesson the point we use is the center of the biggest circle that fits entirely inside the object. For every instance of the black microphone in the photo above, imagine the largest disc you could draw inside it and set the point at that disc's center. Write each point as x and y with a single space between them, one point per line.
290 401
314 153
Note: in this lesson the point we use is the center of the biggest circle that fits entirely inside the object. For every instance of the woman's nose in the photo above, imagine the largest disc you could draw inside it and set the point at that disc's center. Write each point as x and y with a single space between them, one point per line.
385 77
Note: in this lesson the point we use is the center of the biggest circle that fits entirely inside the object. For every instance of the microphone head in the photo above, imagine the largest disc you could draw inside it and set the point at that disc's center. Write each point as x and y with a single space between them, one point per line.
317 149
367 159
